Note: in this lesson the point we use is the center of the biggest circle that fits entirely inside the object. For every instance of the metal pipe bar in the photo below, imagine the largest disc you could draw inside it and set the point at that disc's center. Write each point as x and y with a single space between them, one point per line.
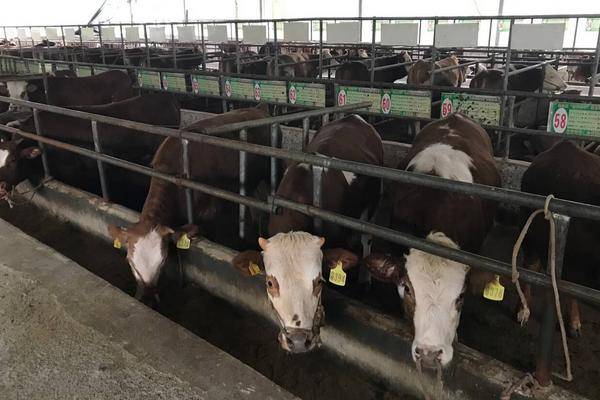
317 178
382 68
185 163
374 25
451 67
305 132
38 130
594 77
101 172
273 160
529 68
243 160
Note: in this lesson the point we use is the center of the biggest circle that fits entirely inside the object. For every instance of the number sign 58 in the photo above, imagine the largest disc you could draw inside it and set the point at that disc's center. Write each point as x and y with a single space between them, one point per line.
560 120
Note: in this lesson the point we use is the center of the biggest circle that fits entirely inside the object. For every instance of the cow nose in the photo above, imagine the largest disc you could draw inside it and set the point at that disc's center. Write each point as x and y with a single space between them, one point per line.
428 357
3 190
298 341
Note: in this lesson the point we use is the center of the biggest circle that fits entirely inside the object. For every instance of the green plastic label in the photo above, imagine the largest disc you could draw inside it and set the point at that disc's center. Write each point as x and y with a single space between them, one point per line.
306 94
149 79
173 82
393 102
592 24
257 90
574 118
62 67
84 71
48 67
503 25
205 85
483 109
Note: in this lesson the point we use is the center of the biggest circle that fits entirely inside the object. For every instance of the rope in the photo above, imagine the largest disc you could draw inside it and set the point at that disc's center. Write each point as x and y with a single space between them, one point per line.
525 312
9 197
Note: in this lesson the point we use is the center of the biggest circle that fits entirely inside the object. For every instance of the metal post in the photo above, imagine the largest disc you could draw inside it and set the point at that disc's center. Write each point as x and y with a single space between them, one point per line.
146 44
101 44
321 49
433 54
174 47
325 119
185 162
38 130
305 132
203 47
374 26
500 12
317 185
575 35
5 35
81 43
123 52
548 322
594 77
511 124
64 40
45 79
242 189
275 144
507 65
237 49
276 49
101 172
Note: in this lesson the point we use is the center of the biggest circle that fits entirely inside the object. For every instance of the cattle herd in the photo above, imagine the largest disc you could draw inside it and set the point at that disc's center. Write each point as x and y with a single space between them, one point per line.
295 257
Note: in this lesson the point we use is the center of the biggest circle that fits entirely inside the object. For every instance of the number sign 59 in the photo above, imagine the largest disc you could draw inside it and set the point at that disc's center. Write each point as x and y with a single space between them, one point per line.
560 120
446 108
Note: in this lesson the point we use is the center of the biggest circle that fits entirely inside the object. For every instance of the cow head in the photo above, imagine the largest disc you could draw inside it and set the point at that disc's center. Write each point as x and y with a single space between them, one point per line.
553 80
147 251
21 90
17 161
432 289
292 264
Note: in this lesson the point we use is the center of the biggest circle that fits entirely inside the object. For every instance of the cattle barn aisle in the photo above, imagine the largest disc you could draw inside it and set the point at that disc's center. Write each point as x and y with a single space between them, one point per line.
65 333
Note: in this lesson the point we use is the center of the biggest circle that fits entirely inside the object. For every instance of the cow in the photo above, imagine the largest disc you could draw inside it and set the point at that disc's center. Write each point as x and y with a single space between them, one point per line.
583 72
129 188
545 78
163 215
571 173
432 288
299 65
104 88
294 254
361 70
420 73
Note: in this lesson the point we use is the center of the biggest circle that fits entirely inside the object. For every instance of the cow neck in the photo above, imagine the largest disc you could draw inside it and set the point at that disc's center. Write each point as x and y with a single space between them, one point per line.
160 203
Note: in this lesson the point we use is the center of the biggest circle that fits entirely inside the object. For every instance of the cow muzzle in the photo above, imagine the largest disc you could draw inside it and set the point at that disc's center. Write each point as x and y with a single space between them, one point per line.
297 341
3 191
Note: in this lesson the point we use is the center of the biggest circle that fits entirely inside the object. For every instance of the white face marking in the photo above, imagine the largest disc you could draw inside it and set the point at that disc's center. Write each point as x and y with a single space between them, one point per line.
17 89
553 80
350 177
437 284
3 156
445 161
294 259
148 257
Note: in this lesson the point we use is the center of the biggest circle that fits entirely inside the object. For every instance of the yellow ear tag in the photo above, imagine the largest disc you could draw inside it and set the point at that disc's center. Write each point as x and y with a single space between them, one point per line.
337 276
254 269
117 244
184 242
494 290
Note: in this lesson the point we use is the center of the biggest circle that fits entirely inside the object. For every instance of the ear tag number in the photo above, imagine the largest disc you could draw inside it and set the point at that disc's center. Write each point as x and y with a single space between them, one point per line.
254 269
337 276
117 244
494 290
184 242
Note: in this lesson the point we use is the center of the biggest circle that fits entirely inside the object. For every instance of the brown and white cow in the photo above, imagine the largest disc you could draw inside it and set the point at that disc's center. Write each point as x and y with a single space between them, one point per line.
294 255
299 65
544 78
432 288
571 173
164 208
420 73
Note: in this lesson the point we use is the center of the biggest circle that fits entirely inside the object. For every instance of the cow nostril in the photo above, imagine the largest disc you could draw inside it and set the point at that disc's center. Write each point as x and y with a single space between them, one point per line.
307 343
419 351
298 323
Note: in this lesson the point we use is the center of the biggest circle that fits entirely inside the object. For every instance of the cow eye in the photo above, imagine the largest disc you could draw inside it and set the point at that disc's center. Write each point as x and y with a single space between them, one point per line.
272 285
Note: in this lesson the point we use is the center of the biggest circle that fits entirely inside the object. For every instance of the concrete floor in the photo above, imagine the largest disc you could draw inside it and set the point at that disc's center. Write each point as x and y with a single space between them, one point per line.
65 333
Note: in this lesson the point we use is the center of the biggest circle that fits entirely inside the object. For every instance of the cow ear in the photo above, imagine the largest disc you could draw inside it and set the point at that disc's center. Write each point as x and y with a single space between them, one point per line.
249 263
334 256
384 267
190 230
30 152
118 233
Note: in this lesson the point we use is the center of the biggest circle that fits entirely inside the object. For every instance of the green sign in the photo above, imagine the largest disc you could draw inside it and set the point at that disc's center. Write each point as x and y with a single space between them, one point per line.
592 24
483 109
148 79
306 94
393 102
48 67
173 82
554 21
100 70
574 118
202 84
257 90
20 67
84 71
503 25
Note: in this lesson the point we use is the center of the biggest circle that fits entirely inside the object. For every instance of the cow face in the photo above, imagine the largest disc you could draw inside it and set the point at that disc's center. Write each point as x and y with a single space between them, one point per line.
553 80
432 289
16 163
147 251
20 90
292 264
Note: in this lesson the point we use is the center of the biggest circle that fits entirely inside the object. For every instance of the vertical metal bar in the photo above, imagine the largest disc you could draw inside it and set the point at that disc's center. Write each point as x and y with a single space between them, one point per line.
374 26
317 186
101 44
123 52
419 33
325 119
305 132
594 77
45 79
237 49
433 53
146 44
276 49
64 40
174 47
320 48
203 47
38 130
185 162
275 144
575 35
511 124
5 35
507 65
101 172
242 189
548 323
81 43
